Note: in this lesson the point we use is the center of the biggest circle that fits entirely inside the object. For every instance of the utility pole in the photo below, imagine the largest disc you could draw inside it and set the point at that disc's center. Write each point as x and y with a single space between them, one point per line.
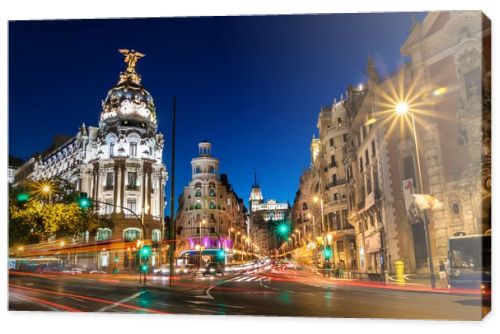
172 235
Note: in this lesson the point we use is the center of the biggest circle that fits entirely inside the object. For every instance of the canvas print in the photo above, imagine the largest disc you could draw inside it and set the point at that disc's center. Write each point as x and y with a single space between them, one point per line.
285 165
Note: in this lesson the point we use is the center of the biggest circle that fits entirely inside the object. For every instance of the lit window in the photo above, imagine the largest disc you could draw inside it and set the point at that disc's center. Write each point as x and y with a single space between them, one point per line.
133 149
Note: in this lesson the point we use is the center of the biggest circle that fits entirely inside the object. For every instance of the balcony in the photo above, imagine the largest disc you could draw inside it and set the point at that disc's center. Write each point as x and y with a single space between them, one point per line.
108 187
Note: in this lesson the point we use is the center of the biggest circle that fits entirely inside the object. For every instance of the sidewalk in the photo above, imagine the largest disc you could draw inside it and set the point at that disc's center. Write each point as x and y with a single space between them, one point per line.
413 282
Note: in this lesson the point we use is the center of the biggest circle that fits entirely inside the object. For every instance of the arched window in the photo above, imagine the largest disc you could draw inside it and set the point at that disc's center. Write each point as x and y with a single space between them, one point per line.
211 169
211 191
103 234
197 191
212 204
131 234
197 205
339 122
156 236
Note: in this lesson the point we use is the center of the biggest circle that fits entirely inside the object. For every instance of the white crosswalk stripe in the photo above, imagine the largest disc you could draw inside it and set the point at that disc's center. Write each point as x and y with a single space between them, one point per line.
249 279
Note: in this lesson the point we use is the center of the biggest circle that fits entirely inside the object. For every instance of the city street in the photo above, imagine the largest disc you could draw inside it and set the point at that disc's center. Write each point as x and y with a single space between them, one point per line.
269 291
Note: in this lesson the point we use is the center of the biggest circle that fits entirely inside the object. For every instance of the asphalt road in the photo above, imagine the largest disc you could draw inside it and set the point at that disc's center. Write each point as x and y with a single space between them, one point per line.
269 292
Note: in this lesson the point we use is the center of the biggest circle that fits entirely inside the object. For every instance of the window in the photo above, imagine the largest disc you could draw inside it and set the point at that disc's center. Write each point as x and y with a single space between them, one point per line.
131 234
332 142
368 183
304 206
336 197
408 168
333 161
361 165
197 205
111 149
334 179
344 137
132 180
133 149
103 234
109 180
373 148
367 159
156 236
212 205
132 204
339 122
108 208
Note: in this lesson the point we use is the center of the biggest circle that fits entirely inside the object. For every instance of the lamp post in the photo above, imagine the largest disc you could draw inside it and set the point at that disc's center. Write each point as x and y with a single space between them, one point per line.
402 108
202 222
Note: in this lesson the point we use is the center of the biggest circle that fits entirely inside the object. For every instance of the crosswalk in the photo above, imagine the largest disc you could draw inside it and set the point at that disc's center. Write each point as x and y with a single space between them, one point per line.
248 278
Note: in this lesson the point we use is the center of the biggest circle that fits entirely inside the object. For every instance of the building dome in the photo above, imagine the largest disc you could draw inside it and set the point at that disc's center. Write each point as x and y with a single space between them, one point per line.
128 103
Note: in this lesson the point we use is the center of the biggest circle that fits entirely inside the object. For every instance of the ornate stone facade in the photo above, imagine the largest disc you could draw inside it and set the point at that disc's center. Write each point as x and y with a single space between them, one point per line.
118 164
209 202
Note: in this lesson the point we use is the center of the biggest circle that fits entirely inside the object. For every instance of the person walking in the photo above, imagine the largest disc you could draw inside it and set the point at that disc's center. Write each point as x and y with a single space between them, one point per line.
442 274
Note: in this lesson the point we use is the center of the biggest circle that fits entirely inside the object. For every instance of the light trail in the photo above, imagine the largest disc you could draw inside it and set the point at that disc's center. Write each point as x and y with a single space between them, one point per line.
99 300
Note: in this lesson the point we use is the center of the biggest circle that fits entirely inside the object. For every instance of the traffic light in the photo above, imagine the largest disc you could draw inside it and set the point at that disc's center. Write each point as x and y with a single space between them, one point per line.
83 201
144 267
221 255
283 229
145 251
327 252
22 197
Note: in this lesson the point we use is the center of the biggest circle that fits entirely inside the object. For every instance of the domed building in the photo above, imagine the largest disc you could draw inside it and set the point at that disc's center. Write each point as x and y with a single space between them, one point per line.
210 216
119 165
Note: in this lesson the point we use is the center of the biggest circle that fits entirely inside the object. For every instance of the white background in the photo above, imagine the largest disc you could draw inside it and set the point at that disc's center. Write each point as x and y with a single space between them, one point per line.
37 322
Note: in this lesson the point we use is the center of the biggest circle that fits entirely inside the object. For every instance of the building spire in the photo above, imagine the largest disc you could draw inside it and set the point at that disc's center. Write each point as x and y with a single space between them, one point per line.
255 184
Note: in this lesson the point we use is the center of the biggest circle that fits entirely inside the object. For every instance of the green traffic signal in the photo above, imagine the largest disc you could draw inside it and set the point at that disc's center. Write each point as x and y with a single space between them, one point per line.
83 201
145 251
221 254
144 268
328 253
283 229
23 197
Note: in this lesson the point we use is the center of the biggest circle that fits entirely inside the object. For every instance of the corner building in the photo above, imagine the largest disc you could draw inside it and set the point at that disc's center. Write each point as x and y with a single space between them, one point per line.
118 163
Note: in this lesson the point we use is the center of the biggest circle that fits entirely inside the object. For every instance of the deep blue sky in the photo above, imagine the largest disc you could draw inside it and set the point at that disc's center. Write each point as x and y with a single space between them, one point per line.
253 86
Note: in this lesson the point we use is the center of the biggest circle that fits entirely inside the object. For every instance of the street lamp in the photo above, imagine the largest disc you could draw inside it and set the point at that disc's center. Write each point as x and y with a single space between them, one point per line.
402 108
202 222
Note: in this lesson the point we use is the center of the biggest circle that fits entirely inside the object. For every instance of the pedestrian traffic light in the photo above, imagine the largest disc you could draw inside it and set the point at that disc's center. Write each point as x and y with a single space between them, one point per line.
83 201
144 267
327 252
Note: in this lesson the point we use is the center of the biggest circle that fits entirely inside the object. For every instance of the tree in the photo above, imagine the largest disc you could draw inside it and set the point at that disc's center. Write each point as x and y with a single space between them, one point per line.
39 217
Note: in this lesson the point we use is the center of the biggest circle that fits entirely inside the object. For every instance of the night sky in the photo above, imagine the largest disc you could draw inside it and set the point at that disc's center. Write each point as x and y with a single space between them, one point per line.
253 86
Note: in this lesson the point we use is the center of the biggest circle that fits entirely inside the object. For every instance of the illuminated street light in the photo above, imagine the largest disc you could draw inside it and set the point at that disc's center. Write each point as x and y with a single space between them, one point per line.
440 91
402 108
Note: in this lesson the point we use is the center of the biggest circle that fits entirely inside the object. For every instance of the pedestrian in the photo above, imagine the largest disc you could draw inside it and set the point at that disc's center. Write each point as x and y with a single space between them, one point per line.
442 274
341 269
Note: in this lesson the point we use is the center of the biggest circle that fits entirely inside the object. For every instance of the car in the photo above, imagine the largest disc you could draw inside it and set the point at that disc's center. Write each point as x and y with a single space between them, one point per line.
162 270
213 268
97 272
73 271
188 269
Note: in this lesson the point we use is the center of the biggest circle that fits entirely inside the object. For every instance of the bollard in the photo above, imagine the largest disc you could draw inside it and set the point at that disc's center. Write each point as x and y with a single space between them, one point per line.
400 272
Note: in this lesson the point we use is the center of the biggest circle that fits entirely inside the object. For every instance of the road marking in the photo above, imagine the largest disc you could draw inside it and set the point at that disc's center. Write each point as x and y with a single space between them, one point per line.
122 301
209 311
213 304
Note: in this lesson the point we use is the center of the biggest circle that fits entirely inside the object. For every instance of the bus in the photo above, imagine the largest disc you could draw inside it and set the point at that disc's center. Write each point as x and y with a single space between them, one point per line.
469 259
